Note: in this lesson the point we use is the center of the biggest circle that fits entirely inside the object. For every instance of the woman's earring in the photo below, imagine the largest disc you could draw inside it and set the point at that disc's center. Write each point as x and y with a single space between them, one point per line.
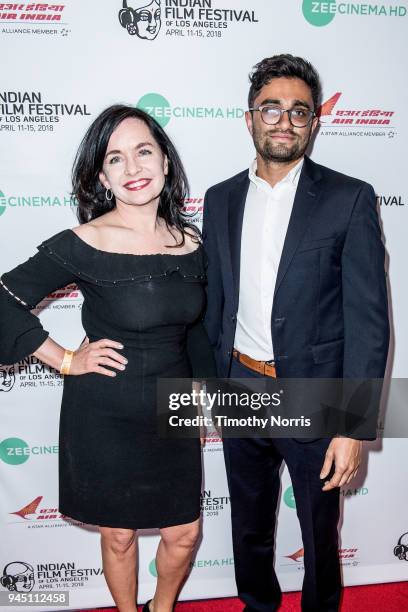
107 196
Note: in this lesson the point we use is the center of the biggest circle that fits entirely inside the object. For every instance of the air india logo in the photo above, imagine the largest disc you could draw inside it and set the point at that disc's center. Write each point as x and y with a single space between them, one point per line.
29 509
363 121
363 117
296 556
347 556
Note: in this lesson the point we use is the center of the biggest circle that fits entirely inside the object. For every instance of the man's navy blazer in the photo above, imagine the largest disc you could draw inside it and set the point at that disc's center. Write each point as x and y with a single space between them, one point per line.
329 314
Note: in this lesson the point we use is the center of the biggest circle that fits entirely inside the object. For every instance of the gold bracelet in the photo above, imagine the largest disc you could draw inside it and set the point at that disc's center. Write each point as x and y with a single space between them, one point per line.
66 362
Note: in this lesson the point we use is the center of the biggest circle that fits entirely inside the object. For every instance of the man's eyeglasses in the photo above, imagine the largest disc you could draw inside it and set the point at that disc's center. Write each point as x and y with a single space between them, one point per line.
298 117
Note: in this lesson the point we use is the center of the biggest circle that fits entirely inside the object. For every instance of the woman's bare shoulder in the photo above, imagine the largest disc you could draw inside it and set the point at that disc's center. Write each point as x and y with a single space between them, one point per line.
93 232
192 239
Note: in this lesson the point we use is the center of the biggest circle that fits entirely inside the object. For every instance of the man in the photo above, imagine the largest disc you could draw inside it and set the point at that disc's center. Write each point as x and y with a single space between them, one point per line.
296 288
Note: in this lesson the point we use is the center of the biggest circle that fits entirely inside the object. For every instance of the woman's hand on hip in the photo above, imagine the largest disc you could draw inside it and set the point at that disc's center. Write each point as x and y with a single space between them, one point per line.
98 357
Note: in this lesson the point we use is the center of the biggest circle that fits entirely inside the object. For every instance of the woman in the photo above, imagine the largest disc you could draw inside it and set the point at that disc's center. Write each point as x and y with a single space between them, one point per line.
140 268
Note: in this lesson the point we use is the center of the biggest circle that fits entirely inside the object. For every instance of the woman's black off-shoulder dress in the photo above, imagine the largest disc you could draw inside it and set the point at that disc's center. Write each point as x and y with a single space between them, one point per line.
114 469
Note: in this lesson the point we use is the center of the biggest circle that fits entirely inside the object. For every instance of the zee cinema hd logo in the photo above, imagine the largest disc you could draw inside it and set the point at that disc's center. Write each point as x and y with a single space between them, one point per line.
320 13
15 451
35 201
160 109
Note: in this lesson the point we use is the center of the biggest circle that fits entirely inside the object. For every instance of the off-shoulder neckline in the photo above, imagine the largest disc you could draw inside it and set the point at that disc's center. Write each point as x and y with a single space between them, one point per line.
86 244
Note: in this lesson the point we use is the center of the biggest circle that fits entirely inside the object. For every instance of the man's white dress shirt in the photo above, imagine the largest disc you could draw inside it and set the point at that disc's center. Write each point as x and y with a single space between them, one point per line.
265 223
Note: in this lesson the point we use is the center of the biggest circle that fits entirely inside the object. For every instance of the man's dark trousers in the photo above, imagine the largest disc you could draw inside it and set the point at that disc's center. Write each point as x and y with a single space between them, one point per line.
253 472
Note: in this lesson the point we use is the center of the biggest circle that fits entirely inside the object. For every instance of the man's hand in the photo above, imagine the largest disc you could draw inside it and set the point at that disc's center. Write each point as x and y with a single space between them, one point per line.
346 454
197 386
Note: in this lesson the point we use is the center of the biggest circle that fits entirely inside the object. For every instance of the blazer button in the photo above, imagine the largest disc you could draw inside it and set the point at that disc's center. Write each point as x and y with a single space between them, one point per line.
229 353
233 318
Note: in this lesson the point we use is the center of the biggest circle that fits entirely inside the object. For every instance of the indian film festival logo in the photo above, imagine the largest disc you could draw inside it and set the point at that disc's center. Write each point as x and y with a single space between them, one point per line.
181 18
30 373
21 577
213 505
7 378
401 549
32 111
143 21
18 576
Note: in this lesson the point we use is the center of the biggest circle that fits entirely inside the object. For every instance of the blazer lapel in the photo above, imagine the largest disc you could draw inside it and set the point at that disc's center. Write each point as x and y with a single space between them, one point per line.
236 207
306 198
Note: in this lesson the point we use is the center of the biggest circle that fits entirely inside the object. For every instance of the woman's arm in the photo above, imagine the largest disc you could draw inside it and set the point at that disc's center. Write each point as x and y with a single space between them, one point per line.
21 332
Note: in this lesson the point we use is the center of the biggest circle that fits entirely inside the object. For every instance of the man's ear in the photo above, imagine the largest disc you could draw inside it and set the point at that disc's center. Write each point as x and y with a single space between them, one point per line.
315 124
248 120
104 180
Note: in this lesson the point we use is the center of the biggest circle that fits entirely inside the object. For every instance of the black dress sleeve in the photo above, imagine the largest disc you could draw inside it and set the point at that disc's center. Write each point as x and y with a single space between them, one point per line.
21 289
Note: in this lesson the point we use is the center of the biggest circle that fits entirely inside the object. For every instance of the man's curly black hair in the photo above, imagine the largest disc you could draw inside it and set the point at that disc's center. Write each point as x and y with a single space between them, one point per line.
284 65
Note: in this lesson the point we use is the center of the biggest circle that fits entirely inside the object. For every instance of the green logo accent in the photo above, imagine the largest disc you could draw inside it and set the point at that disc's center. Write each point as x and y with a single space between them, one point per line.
152 568
289 498
157 106
2 203
319 13
14 451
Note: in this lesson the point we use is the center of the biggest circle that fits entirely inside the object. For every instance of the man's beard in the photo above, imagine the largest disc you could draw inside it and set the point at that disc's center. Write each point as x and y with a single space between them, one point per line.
277 151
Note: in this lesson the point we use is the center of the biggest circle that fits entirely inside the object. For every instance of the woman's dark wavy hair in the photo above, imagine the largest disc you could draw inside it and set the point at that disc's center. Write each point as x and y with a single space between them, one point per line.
88 189
284 65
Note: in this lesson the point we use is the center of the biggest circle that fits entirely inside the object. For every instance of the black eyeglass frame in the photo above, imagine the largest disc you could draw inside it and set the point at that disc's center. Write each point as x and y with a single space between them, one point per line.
311 113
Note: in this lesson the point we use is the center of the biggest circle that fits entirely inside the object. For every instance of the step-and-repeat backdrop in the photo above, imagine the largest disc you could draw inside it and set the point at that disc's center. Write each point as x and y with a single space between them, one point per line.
186 62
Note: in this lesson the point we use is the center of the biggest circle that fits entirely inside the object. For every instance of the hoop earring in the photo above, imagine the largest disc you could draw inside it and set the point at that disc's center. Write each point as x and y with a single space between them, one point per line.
107 197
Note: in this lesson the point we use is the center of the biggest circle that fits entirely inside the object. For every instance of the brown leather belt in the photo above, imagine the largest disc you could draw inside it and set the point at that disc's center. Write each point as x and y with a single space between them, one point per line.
266 368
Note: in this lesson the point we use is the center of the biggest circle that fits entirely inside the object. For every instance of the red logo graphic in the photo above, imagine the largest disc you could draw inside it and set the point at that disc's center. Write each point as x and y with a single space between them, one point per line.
32 512
347 553
296 556
344 553
355 117
193 206
327 107
31 11
31 508
70 291
213 438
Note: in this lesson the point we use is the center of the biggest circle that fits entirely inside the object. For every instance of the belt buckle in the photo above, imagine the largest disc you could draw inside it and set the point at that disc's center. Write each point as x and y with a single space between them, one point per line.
270 363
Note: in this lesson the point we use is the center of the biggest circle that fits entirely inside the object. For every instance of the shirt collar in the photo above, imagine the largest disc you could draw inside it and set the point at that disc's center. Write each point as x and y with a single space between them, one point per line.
292 176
